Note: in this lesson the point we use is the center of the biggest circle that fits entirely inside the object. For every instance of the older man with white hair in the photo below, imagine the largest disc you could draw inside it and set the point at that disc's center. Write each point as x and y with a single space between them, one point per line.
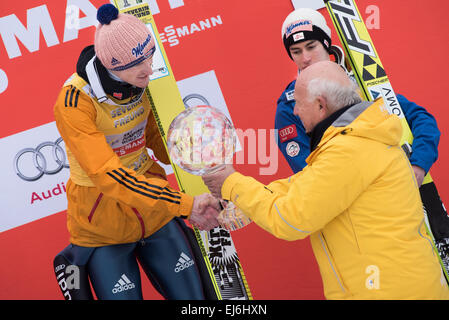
357 198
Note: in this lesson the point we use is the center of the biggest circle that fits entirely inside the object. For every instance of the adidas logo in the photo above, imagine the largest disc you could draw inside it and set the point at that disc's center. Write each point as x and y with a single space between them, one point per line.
114 61
184 262
123 284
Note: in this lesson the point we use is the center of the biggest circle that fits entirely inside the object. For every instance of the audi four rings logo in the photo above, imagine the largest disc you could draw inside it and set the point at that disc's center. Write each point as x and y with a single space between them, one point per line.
194 96
41 163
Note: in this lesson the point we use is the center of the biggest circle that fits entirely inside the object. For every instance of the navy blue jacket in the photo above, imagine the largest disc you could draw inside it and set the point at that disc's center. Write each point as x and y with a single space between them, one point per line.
295 146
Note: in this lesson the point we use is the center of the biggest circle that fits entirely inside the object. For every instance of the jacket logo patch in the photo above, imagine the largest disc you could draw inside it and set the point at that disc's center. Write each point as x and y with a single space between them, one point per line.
117 95
290 95
288 133
298 36
292 149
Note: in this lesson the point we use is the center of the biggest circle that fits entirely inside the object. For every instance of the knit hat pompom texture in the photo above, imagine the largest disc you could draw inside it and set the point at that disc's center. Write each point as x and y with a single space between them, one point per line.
121 40
305 24
106 13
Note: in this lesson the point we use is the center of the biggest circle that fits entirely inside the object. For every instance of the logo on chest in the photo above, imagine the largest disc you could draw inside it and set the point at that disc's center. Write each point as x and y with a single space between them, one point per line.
128 142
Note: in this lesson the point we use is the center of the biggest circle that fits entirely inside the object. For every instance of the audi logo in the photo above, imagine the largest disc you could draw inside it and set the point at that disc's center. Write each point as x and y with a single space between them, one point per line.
40 161
194 96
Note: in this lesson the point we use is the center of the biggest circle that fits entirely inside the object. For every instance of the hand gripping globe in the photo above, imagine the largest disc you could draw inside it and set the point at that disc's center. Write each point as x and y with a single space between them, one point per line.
201 140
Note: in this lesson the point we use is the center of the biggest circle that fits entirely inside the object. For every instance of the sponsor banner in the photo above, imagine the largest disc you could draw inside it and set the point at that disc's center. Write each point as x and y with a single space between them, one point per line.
34 172
171 35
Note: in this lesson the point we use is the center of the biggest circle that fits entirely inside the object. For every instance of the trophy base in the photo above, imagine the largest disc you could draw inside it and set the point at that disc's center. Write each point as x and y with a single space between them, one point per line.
232 218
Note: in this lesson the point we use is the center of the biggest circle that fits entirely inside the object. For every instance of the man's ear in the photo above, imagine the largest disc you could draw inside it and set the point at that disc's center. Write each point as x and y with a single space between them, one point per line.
324 110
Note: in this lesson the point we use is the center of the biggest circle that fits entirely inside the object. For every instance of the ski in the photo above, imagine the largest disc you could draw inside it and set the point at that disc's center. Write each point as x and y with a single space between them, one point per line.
222 267
374 83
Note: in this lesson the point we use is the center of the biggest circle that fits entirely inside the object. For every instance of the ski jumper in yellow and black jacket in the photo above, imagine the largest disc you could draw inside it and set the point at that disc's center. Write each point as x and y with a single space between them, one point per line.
116 193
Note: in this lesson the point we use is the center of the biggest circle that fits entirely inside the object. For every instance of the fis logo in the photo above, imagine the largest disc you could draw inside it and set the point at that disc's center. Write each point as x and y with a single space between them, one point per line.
123 284
184 262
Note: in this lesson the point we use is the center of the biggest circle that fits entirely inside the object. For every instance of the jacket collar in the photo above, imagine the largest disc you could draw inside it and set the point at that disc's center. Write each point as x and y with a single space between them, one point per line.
121 91
321 127
340 118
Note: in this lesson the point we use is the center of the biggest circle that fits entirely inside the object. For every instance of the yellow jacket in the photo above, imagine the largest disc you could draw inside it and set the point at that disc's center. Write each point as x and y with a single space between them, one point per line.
116 193
358 201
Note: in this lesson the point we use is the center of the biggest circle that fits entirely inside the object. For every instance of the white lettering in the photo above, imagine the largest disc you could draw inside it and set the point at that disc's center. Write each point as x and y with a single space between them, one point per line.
182 31
73 23
72 20
154 8
184 266
176 3
194 28
38 19
125 287
170 33
193 310
205 24
216 20
3 81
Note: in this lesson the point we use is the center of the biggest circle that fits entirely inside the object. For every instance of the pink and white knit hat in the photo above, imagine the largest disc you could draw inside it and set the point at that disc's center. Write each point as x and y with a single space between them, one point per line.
121 40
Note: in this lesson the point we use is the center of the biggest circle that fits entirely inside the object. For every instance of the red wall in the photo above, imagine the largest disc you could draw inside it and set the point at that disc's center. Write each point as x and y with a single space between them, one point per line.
252 68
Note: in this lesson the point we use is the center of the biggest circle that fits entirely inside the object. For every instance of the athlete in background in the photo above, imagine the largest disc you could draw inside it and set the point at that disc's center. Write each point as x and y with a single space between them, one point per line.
121 208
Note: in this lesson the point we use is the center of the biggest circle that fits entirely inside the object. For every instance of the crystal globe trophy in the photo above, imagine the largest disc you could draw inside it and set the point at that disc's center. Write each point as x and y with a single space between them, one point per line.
201 140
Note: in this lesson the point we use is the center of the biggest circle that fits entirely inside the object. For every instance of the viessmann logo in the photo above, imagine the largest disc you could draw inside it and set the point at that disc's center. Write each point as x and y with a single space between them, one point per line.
30 164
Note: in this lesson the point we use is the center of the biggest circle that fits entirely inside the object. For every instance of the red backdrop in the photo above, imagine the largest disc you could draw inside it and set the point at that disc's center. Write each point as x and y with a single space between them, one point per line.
252 68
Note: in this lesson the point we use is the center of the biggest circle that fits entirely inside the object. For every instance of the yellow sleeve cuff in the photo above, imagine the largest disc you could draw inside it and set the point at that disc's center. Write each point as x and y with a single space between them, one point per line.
228 185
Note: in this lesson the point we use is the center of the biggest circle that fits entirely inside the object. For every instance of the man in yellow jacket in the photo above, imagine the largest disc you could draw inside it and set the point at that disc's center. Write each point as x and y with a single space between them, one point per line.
357 198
